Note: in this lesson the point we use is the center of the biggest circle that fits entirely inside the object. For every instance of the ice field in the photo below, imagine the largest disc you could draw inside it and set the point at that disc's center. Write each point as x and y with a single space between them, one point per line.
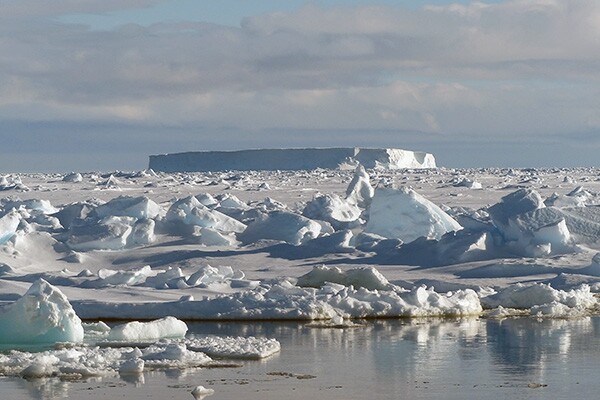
327 245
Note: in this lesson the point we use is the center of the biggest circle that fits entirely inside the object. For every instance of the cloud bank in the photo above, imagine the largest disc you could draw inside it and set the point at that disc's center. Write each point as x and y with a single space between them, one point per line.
514 72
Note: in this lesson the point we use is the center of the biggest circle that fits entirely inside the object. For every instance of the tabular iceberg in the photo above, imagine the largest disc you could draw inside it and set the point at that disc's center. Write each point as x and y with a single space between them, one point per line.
290 159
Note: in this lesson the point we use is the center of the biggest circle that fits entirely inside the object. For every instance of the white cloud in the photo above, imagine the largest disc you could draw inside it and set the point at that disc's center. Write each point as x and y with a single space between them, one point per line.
529 67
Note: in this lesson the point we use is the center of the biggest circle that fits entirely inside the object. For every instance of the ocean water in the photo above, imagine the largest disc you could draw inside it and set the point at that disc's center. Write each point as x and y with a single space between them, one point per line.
521 358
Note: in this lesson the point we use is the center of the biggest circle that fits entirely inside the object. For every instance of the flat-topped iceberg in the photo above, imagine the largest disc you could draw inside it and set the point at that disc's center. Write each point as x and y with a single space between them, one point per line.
291 159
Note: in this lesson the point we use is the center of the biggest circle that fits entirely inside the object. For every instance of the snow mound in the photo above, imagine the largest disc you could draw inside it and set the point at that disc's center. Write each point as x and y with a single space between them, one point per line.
42 315
290 159
406 215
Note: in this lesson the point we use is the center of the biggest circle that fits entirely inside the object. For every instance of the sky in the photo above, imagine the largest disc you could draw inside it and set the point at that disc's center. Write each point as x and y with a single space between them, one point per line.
101 84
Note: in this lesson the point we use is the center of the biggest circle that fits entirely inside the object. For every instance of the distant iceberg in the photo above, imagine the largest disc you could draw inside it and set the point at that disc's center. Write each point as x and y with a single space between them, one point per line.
291 159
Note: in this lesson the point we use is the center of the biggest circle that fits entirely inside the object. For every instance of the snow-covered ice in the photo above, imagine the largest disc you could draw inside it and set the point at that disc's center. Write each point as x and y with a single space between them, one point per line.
326 246
311 244
406 215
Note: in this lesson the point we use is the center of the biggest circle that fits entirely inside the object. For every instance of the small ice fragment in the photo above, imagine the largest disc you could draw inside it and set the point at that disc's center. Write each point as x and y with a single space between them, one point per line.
201 392
132 366
168 327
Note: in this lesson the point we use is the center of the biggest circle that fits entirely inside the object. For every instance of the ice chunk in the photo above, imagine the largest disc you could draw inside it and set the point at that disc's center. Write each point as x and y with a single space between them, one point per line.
108 277
143 232
169 278
174 355
42 315
8 226
539 232
190 211
110 233
528 296
453 248
135 331
201 392
594 268
213 237
468 183
281 225
578 197
73 212
208 274
366 277
207 199
127 206
331 208
34 206
73 177
235 347
132 366
231 201
207 218
360 191
406 215
513 204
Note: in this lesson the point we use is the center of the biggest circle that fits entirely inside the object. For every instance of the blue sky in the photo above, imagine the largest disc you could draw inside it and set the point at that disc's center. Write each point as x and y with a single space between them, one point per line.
101 84
224 12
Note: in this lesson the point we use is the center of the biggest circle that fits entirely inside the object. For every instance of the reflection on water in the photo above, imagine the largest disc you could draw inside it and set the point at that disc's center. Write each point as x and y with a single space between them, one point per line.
420 359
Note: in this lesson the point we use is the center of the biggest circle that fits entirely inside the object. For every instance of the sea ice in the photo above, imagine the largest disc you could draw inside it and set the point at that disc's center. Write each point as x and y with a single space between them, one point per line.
281 225
406 215
539 294
333 209
234 347
8 225
127 206
201 392
190 211
135 331
360 191
366 277
109 233
42 315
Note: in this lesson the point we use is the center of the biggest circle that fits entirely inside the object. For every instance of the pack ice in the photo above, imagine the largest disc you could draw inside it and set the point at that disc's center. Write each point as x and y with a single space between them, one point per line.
312 244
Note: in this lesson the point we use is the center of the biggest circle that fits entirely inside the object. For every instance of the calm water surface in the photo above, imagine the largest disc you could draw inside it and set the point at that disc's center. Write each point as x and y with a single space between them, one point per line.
425 359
